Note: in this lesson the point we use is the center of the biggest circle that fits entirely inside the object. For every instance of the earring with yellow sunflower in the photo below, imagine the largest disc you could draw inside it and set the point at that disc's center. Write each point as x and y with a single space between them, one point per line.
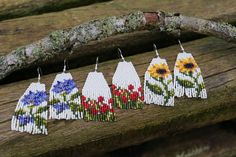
187 76
158 84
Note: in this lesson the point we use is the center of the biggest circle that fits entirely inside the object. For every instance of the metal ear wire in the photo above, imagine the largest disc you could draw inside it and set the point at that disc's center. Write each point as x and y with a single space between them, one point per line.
64 68
182 48
155 49
96 65
120 52
39 70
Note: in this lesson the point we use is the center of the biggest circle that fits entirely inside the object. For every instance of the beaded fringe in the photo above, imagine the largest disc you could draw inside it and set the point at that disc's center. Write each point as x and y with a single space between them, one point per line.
96 98
126 87
31 111
64 98
158 88
187 77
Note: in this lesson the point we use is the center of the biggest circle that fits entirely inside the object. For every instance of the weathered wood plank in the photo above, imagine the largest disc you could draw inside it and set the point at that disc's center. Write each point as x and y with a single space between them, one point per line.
12 9
217 140
214 56
22 31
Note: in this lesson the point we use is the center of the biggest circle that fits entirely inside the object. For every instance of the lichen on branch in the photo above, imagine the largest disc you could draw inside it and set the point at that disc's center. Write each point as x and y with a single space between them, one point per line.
62 42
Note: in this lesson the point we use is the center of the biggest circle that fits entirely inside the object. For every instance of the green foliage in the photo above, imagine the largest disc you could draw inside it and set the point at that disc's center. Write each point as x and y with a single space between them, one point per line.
185 83
54 101
75 107
42 109
19 112
74 96
38 120
154 88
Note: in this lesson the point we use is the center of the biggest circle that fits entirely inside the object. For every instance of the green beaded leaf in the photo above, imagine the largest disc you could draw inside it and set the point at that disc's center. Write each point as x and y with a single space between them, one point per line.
39 121
19 112
73 106
185 83
42 109
75 96
154 88
54 101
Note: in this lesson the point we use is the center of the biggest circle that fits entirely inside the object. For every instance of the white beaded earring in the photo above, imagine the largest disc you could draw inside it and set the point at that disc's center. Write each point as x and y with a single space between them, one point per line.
31 111
96 98
64 98
158 84
188 79
127 91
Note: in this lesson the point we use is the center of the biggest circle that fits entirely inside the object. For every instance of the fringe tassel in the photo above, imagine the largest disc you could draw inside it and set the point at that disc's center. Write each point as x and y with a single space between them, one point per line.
64 98
187 77
96 99
158 84
127 91
31 111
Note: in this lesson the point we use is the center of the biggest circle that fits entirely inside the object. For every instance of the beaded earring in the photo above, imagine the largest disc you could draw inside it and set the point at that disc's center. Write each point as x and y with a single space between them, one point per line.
64 97
32 110
188 79
158 84
127 91
96 98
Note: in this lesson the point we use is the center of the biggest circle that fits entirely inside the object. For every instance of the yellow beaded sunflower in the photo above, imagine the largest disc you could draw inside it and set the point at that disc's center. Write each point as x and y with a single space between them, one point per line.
186 65
159 71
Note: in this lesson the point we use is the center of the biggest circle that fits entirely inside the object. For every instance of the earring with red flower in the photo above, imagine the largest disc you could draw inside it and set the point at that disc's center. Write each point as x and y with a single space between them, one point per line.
96 98
126 87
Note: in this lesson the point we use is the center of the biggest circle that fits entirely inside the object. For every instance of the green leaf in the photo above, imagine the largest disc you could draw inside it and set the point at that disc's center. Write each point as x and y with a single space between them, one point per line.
73 106
199 88
154 88
54 101
38 120
171 93
185 83
42 109
74 96
19 112
169 81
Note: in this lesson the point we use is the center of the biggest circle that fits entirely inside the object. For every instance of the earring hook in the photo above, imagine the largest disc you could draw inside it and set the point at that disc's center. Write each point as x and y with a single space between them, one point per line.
155 49
39 70
96 65
64 68
120 52
182 48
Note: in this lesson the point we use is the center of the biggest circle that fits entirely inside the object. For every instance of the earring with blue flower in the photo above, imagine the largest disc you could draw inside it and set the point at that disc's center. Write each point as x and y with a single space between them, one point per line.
64 98
32 111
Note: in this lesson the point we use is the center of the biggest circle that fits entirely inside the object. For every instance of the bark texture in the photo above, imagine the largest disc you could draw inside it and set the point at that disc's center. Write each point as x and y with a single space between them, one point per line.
63 42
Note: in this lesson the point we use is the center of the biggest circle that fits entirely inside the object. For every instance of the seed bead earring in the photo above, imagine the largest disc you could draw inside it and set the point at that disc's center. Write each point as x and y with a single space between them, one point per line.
96 98
158 83
188 79
31 111
64 98
127 91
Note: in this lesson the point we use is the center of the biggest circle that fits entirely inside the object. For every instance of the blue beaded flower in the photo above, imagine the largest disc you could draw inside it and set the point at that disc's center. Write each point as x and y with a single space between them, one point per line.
35 98
23 120
61 106
65 86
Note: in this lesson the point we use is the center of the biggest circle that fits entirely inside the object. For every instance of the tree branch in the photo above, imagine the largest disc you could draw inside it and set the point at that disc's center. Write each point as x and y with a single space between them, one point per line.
63 42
